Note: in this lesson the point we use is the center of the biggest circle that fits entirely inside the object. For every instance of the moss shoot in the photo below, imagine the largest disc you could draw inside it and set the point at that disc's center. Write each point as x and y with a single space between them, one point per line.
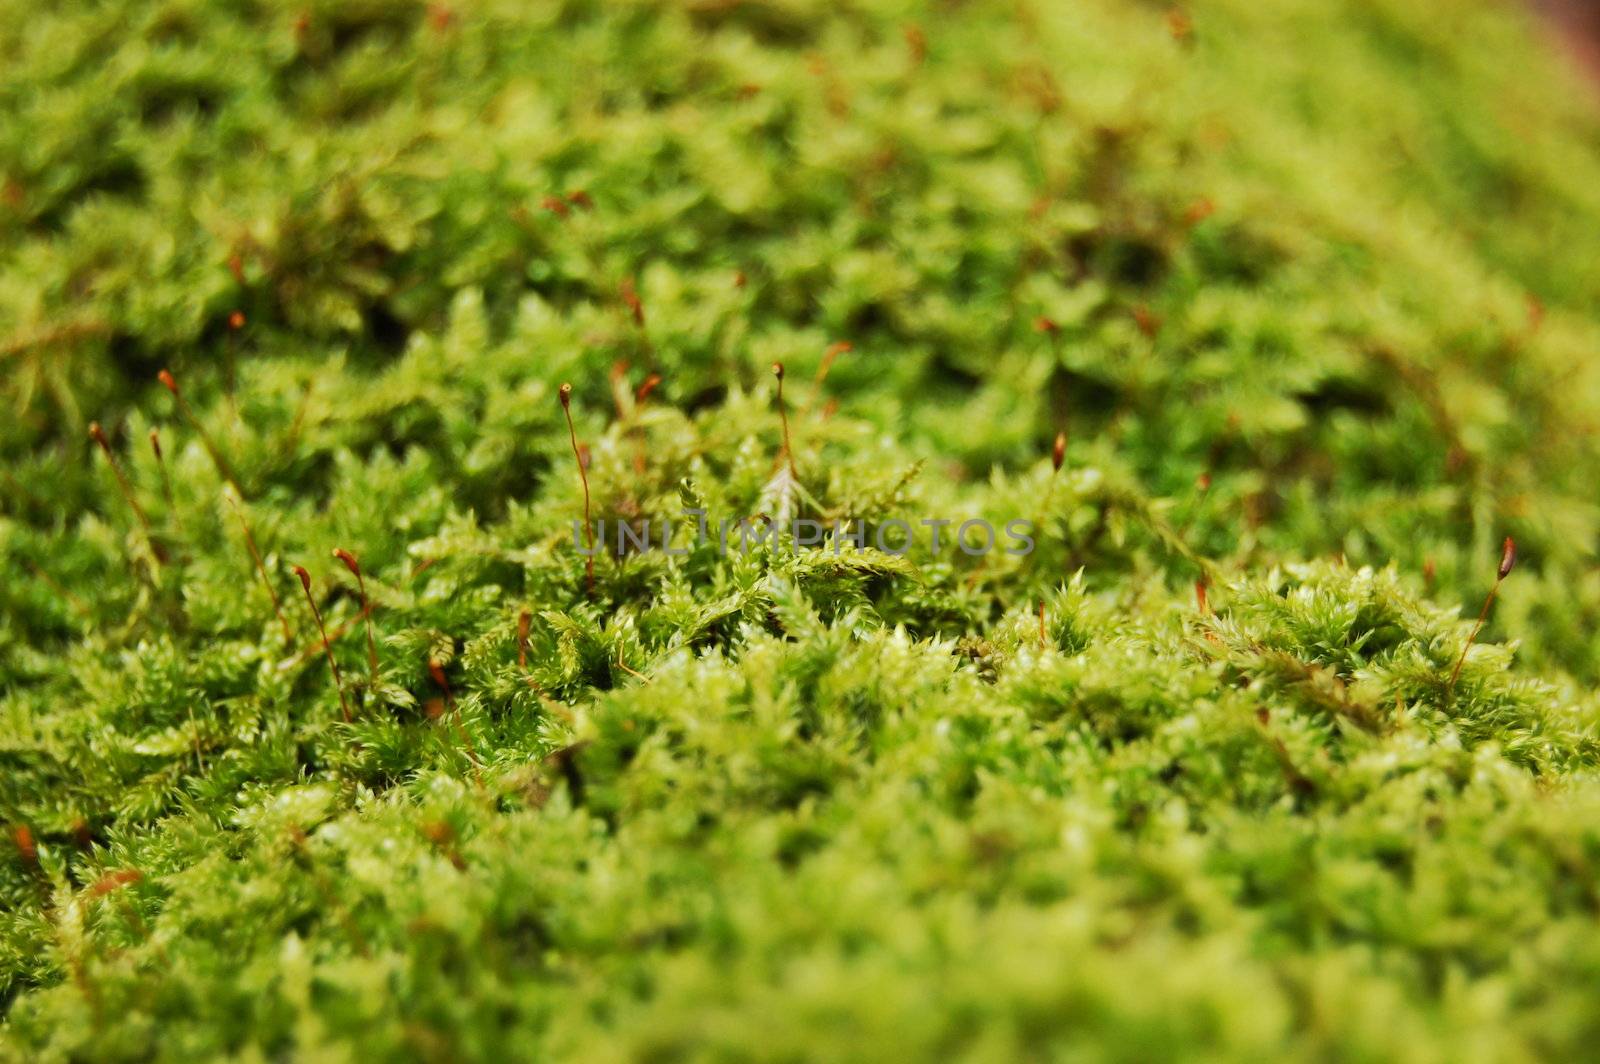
325 737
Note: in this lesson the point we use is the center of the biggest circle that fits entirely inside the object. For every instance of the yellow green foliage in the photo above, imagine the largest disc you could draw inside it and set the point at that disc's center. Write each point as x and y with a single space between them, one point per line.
1310 289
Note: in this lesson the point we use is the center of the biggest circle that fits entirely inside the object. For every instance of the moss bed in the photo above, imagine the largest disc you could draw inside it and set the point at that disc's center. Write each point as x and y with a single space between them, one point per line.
1309 289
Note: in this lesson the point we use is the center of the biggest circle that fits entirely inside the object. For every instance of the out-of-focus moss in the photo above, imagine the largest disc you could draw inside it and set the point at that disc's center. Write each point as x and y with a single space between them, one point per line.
1309 288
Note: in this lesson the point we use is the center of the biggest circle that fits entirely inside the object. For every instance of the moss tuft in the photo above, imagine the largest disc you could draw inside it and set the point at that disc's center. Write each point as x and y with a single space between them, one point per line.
1306 291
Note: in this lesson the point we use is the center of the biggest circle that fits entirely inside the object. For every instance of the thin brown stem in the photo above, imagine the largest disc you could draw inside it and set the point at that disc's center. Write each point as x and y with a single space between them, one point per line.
1058 456
261 569
583 475
636 428
834 350
783 414
1508 559
327 647
351 563
98 435
171 384
166 479
621 393
1483 615
339 631
630 297
623 665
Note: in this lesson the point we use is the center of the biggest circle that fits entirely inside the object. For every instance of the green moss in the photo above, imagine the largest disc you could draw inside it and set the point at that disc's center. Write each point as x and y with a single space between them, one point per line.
1337 262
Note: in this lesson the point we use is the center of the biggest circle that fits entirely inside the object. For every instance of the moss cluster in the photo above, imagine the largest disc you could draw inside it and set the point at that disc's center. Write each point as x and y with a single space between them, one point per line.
1309 288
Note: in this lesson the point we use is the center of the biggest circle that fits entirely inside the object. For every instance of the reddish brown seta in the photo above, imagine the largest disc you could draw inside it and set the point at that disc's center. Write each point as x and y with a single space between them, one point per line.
1508 561
783 414
223 468
630 296
327 647
650 384
835 349
261 570
98 435
352 564
583 475
166 479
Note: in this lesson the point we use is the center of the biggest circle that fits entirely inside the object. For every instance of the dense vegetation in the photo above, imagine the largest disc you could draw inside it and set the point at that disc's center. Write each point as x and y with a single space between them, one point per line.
1309 287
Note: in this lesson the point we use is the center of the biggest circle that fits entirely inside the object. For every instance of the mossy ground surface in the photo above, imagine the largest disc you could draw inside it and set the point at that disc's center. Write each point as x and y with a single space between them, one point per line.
1337 259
